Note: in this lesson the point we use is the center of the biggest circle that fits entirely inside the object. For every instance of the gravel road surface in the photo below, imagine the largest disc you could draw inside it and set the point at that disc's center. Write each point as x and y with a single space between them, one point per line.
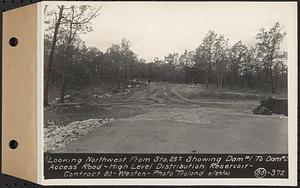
175 124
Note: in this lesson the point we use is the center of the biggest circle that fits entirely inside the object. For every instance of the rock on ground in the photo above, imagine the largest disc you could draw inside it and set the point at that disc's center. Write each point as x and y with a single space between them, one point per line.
57 137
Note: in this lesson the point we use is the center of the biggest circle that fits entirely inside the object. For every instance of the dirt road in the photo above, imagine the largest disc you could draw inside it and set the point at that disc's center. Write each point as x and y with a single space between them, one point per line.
173 123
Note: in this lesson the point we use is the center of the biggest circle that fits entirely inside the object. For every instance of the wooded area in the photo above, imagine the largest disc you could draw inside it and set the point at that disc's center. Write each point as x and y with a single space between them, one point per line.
69 63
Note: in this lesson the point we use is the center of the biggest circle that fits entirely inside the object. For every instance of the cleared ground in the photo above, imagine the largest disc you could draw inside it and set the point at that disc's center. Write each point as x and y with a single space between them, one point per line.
172 118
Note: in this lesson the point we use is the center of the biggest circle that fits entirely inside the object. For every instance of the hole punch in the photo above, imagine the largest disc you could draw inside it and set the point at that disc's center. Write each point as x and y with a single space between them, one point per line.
13 41
13 144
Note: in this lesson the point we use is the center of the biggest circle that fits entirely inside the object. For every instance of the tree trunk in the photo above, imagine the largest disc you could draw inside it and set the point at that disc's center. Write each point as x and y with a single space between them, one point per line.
64 83
208 75
221 79
50 61
276 77
220 75
64 79
91 79
66 62
272 80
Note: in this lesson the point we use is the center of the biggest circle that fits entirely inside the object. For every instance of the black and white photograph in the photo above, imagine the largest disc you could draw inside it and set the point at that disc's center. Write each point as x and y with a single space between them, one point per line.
169 90
150 77
150 93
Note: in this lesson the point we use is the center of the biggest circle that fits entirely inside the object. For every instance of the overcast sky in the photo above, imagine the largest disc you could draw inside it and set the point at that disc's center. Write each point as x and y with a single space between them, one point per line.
158 28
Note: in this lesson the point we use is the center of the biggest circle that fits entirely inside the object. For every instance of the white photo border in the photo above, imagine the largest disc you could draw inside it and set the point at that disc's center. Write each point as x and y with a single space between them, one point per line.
292 116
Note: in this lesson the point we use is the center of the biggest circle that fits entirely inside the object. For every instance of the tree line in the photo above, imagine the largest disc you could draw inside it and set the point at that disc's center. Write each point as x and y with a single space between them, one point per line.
69 63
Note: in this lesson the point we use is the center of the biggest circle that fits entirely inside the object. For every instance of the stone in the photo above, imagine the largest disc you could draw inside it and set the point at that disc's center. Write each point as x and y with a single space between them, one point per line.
60 136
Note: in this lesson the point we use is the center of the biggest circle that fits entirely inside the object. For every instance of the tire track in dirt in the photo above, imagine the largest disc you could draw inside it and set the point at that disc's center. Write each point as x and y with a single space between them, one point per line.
183 125
161 93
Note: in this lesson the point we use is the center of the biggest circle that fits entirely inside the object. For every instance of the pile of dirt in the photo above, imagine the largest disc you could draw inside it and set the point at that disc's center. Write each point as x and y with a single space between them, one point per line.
272 105
56 137
261 110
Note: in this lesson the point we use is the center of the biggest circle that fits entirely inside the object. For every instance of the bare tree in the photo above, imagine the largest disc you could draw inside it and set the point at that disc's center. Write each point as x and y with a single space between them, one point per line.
78 19
237 57
248 65
220 54
206 50
268 46
51 55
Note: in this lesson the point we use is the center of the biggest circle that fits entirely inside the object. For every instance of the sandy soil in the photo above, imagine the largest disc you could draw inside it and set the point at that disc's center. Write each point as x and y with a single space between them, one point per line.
164 120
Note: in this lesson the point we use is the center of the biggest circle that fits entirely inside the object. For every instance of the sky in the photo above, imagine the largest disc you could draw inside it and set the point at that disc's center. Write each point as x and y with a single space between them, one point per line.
156 29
